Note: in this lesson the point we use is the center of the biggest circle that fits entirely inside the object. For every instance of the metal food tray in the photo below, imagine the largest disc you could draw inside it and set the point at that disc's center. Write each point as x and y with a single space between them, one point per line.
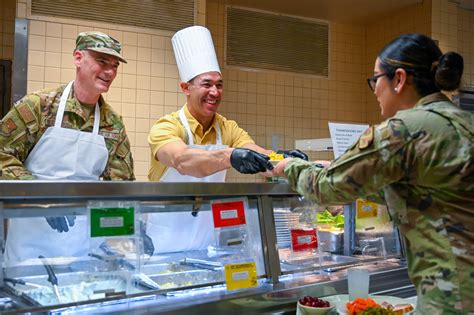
73 287
176 276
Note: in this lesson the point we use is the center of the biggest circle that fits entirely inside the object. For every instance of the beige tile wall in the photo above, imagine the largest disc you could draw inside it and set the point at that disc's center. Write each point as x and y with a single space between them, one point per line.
266 104
444 24
145 88
466 44
292 106
415 18
7 28
440 19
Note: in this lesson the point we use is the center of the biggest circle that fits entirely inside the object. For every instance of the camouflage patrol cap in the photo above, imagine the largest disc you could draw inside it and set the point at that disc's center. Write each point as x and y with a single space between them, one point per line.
99 42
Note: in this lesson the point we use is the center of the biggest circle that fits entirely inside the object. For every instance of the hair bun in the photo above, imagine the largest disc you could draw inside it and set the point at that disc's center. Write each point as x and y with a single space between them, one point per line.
449 71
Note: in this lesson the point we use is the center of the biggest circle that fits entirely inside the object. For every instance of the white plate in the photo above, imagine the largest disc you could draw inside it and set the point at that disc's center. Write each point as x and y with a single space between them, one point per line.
341 300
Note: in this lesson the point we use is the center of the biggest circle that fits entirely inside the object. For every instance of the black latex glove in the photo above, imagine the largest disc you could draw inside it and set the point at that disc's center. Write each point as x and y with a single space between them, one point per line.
148 247
61 224
293 153
247 161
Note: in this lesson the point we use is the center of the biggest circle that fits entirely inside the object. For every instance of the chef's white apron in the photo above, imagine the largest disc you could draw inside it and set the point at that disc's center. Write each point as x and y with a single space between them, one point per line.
180 231
60 154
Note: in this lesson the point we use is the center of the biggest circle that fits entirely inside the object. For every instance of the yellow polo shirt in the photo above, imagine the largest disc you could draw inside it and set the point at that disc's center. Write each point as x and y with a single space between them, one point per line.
169 128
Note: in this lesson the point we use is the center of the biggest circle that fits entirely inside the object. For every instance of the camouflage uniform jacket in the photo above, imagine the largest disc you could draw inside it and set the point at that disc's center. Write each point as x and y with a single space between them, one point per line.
25 123
421 162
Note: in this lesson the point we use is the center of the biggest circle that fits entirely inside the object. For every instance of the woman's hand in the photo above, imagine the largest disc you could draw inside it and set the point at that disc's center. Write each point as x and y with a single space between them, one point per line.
279 169
324 163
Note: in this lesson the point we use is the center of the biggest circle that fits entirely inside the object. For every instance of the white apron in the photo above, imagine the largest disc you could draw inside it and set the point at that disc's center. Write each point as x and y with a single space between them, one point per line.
60 154
180 231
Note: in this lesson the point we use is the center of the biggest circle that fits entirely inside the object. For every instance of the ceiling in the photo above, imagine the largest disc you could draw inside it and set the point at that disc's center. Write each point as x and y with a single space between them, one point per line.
346 11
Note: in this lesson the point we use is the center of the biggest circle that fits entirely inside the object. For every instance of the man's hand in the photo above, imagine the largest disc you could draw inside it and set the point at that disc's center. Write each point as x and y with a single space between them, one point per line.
61 224
293 153
247 161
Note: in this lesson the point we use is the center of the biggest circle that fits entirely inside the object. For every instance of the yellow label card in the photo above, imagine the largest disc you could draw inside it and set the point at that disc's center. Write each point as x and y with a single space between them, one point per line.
241 276
366 209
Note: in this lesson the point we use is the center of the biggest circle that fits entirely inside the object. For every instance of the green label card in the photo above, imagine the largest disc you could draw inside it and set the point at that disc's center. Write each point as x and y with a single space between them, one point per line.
112 221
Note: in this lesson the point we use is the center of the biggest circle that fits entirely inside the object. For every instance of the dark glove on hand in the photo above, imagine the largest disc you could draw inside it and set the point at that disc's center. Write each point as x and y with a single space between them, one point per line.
293 153
61 224
148 247
247 161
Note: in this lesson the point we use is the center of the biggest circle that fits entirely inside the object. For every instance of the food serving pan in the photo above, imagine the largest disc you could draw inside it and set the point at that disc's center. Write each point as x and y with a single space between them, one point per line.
73 287
330 241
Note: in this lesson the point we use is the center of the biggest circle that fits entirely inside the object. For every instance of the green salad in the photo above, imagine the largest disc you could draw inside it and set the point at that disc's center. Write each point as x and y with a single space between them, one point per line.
326 217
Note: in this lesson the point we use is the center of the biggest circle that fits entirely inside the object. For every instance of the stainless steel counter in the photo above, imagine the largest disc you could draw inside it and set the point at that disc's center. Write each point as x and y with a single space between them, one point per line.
281 282
44 190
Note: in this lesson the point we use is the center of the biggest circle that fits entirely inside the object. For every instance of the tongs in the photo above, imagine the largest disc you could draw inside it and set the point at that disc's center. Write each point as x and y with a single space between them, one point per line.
140 278
51 278
202 264
118 257
15 281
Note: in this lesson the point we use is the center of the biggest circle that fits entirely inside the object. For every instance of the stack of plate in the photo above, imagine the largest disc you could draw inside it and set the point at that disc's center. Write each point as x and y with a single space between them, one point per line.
284 221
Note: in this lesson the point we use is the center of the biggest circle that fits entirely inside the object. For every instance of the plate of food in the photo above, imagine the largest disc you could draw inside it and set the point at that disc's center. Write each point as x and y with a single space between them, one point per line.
395 304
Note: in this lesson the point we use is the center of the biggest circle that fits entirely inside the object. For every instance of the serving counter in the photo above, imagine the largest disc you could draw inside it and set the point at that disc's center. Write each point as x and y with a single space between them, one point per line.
257 249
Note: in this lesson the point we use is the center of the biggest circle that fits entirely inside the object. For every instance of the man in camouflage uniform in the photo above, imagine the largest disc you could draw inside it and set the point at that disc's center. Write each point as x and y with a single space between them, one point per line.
421 161
25 123
65 133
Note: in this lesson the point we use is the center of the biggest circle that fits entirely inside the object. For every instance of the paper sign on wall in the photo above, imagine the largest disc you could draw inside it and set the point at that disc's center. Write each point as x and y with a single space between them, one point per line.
344 135
241 276
228 213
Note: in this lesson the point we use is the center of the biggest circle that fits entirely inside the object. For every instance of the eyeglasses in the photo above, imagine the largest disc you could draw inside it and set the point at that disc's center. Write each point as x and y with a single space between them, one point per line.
373 80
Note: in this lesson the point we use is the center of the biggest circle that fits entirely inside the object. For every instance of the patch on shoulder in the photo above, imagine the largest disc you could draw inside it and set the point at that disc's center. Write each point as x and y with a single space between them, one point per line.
7 127
25 113
384 130
367 138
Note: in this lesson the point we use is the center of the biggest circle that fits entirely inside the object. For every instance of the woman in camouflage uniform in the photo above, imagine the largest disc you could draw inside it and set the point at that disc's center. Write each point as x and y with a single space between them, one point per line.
420 162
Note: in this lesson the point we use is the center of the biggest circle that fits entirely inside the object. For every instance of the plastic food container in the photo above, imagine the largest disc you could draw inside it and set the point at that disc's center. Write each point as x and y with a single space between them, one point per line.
330 241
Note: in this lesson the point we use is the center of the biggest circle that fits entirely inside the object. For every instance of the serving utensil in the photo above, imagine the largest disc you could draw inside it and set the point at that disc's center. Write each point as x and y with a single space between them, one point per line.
51 278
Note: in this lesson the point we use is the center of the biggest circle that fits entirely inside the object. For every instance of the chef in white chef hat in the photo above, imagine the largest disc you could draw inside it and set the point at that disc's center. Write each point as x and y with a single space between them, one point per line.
196 144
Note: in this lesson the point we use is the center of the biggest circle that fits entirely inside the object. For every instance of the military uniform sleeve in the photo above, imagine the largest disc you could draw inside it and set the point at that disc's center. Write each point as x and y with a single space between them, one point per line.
120 163
18 132
380 157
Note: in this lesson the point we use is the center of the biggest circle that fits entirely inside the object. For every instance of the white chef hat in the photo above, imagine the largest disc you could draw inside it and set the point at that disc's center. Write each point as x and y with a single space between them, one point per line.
194 52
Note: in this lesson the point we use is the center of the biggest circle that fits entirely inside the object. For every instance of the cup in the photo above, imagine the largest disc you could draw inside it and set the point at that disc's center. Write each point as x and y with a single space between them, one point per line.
358 283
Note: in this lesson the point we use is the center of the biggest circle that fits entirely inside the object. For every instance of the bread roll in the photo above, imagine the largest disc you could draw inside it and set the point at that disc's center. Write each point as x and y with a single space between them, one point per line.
400 309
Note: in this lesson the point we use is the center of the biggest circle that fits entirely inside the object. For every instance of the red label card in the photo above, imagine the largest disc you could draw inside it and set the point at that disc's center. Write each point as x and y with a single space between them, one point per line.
302 239
229 213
